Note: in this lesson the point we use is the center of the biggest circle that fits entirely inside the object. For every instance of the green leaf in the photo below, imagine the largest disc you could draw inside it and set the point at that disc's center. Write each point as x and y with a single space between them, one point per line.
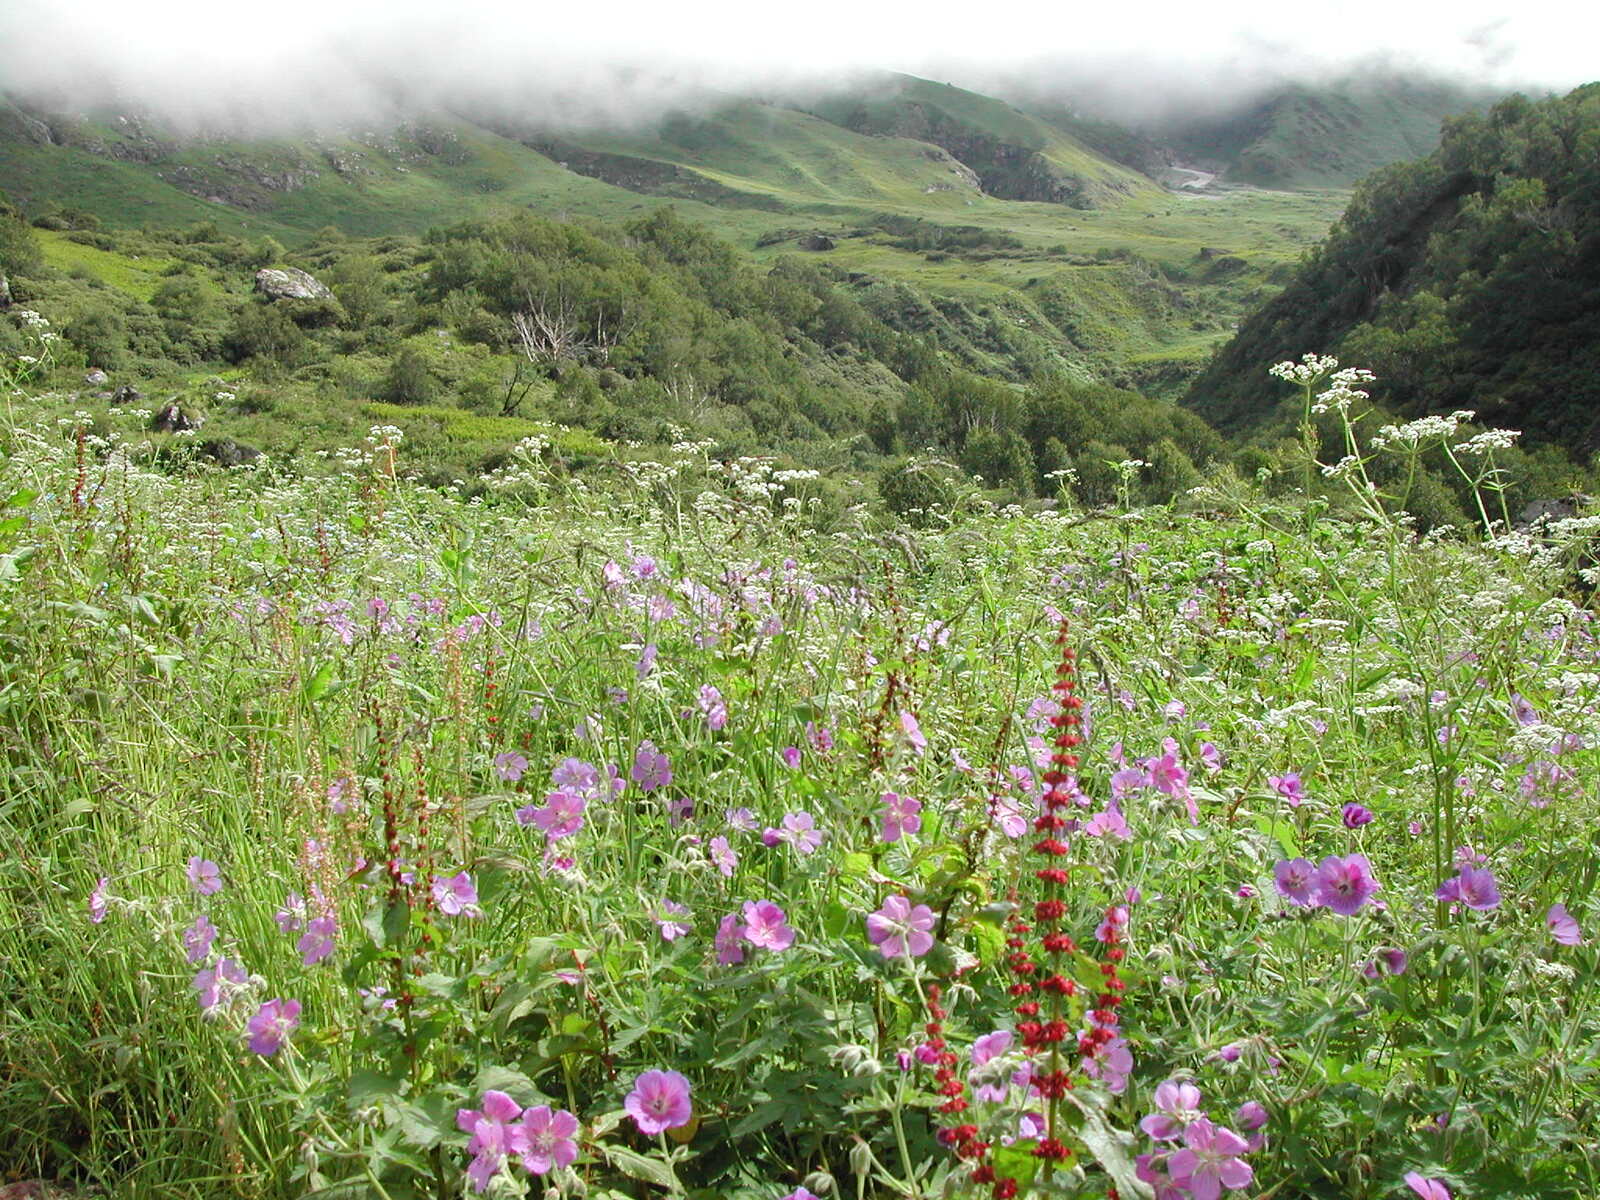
317 686
505 1079
637 1166
426 1123
368 1087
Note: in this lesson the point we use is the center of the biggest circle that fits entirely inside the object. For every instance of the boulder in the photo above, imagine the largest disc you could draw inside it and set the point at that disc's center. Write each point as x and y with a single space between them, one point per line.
94 377
126 394
5 291
290 283
174 418
226 452
816 241
1537 512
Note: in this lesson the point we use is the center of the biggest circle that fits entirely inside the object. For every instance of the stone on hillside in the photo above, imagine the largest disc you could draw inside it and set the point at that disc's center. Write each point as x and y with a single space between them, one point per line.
226 452
1562 509
290 283
94 377
816 241
126 394
174 418
5 291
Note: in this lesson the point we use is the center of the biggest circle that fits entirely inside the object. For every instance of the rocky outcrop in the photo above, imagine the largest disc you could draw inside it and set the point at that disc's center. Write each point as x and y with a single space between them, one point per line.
126 394
94 377
226 452
5 291
817 241
174 418
290 283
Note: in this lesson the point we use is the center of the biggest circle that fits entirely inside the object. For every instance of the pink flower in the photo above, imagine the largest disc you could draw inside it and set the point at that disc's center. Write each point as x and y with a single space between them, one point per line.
1473 886
1428 1189
1289 787
729 941
548 1139
1355 816
510 766
271 1026
912 731
900 815
493 1136
714 708
800 831
899 928
1110 823
1251 1116
198 937
1177 1107
1345 884
1209 1161
667 920
97 900
1563 927
766 926
213 986
659 1101
650 768
723 855
1296 879
791 757
456 896
204 876
647 661
317 941
560 816
291 918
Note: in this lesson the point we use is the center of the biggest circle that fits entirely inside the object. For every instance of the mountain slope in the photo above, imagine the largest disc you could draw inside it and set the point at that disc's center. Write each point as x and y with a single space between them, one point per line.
1467 280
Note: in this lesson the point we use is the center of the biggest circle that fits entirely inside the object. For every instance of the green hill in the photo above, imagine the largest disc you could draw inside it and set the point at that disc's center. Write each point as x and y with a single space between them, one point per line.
1467 280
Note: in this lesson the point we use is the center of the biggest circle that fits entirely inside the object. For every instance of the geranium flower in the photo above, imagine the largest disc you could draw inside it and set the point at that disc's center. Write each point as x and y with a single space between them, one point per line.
97 900
766 926
548 1138
900 815
317 941
456 896
1345 884
723 855
729 941
901 928
1209 1161
510 766
271 1026
1428 1189
659 1101
1296 880
493 1136
667 920
204 876
1473 886
1562 926
650 768
198 937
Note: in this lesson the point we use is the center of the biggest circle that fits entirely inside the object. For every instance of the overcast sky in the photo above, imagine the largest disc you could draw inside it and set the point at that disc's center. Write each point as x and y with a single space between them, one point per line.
307 57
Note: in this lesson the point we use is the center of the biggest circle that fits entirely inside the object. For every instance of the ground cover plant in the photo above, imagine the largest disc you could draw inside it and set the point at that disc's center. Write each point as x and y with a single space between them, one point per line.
658 832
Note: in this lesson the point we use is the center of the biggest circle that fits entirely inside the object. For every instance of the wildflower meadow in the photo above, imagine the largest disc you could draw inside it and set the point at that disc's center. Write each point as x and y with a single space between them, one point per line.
647 832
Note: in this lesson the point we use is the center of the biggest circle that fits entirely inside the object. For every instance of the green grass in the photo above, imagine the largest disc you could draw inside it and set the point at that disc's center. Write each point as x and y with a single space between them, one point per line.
136 276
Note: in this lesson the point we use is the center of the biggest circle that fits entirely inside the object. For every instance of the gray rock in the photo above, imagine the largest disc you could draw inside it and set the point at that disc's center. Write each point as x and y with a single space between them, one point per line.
5 291
290 283
94 377
174 418
816 241
1537 512
126 394
226 452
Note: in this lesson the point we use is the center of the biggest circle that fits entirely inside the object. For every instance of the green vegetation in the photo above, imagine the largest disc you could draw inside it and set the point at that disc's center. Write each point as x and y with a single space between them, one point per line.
1467 280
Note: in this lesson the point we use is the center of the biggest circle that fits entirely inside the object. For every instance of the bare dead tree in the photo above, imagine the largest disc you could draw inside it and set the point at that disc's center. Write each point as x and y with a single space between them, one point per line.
548 330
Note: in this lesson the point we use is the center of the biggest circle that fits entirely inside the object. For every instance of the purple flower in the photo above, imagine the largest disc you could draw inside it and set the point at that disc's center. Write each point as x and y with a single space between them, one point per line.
985 1086
213 985
97 900
510 766
198 937
729 941
548 1139
1428 1189
456 896
1296 878
667 920
801 1193
650 768
714 707
791 757
900 815
271 1026
204 876
291 918
659 1101
1177 1107
1250 1116
800 831
493 1137
1473 886
1345 884
1390 960
1289 787
317 941
1355 816
899 928
723 855
911 729
647 661
1211 757
742 819
561 816
1110 823
766 926
820 737
1563 927
1111 1063
1209 1161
